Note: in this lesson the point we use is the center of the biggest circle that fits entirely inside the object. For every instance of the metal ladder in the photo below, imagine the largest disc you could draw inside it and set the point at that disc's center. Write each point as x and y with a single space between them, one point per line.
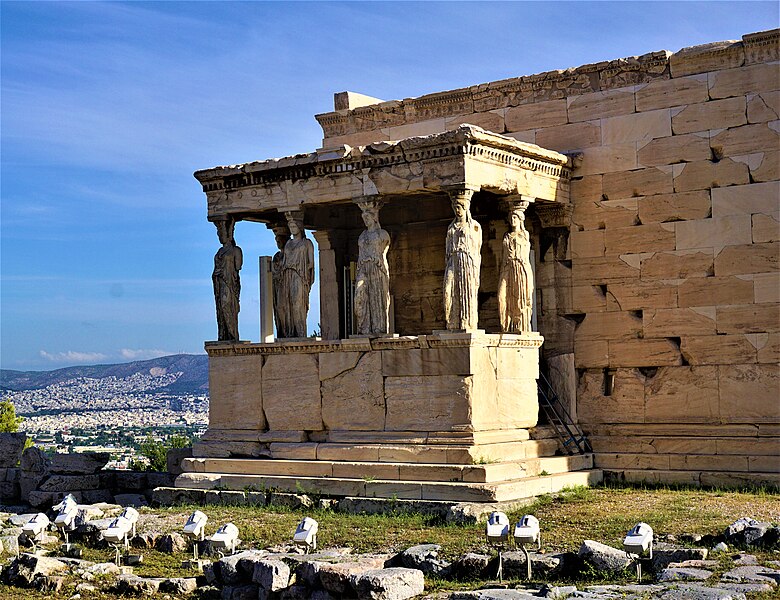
572 438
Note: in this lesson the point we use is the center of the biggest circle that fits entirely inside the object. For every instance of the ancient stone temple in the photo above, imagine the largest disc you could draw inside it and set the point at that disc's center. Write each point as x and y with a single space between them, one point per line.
615 223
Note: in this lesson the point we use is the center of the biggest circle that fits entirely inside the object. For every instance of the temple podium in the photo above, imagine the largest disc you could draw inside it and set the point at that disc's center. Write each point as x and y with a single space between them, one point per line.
429 394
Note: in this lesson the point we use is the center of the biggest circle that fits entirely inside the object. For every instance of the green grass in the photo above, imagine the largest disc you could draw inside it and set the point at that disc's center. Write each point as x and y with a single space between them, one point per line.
604 514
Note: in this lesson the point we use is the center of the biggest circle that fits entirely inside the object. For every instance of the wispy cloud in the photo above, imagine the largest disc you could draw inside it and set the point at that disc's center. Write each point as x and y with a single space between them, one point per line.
73 356
142 354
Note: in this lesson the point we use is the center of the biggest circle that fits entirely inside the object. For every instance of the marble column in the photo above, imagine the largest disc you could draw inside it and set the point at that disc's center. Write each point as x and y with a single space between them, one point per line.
330 246
516 278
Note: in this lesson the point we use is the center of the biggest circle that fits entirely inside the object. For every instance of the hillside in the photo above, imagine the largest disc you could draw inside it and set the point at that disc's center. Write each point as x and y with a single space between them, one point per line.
194 378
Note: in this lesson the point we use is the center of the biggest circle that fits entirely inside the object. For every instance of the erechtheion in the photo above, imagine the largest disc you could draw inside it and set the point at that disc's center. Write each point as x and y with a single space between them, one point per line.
613 225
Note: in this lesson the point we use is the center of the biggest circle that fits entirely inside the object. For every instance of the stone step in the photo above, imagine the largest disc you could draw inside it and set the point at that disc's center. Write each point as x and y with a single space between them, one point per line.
482 473
727 463
694 478
415 453
528 487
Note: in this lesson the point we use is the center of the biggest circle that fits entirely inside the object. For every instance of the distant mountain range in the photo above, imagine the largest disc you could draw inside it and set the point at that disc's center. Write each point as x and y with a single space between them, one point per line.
194 378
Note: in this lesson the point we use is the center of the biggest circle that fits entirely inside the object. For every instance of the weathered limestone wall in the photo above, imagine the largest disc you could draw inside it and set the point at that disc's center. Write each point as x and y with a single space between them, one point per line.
662 309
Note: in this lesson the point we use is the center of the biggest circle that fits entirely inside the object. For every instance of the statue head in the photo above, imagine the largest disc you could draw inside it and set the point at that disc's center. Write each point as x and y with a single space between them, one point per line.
281 235
225 229
461 206
517 219
295 224
370 213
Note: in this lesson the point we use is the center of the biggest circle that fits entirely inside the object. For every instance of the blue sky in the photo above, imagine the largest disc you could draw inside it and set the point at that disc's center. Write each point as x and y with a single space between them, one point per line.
108 108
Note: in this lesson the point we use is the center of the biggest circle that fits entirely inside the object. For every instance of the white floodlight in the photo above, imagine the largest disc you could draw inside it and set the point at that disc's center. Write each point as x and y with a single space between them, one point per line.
527 531
35 528
65 521
497 534
225 538
195 529
637 542
121 530
306 534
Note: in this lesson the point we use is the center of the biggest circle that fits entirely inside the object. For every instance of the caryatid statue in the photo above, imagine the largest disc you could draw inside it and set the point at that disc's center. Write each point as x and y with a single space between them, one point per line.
227 285
282 236
516 278
372 280
297 276
463 258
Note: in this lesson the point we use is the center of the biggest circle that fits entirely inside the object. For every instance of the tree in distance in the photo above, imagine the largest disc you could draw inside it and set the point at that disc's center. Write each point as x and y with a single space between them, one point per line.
156 452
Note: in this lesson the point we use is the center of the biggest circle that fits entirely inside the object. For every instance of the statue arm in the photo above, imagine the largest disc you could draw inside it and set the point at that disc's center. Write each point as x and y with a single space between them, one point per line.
309 262
239 259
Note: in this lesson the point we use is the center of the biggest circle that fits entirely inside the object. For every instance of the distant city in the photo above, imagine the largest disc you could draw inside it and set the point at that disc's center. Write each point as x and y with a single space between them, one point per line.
112 413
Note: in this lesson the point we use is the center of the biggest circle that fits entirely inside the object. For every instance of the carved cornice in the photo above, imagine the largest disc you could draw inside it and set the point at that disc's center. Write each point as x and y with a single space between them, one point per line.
552 214
465 141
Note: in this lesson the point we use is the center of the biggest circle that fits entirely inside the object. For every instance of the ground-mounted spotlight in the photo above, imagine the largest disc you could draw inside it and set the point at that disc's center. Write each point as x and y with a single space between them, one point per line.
637 543
195 530
527 532
225 539
65 521
306 534
120 531
497 534
35 528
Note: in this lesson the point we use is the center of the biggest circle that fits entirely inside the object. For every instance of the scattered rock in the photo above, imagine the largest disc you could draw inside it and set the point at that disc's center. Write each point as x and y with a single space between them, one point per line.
171 543
496 594
683 574
663 557
48 584
26 567
179 585
271 575
237 568
541 564
135 500
720 547
752 574
105 568
293 501
742 560
133 585
147 539
336 578
170 496
240 592
396 583
424 557
698 592
469 566
19 520
557 591
747 532
603 557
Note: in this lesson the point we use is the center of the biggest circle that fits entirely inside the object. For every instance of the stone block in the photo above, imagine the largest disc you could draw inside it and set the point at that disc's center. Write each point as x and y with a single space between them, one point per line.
663 208
746 139
235 392
600 105
354 399
589 354
739 82
607 214
766 166
609 326
749 393
490 121
574 136
607 159
625 404
643 353
763 107
84 463
766 228
681 264
769 352
717 349
588 188
427 361
641 182
766 287
707 174
762 46
640 238
587 298
528 137
674 149
715 114
174 457
636 296
594 271
271 575
396 583
713 291
747 258
67 483
291 392
682 394
434 403
665 93
714 233
635 127
604 558
761 198
517 405
677 322
536 116
585 244
420 128
748 318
